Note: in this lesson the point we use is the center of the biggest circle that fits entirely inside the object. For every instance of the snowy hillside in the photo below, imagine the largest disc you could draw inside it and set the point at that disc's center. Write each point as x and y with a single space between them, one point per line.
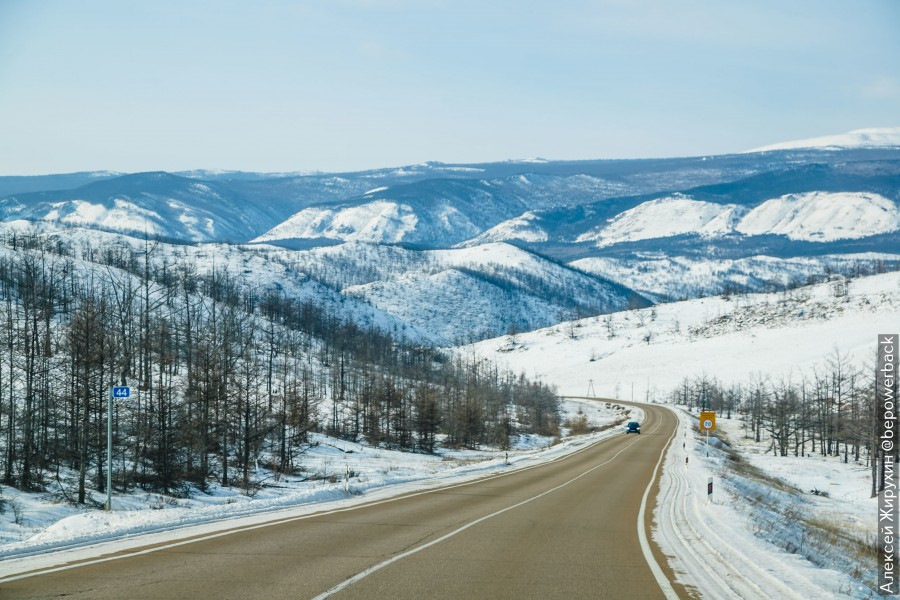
801 207
155 204
666 217
859 138
772 519
521 228
460 294
377 221
252 265
813 216
666 278
822 217
438 213
431 213
650 351
458 306
423 296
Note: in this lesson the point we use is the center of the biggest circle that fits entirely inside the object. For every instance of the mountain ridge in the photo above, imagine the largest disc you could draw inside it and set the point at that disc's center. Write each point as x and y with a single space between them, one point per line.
799 206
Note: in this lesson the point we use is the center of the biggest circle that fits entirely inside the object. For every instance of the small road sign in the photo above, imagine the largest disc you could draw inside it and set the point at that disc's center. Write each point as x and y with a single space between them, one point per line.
708 420
121 392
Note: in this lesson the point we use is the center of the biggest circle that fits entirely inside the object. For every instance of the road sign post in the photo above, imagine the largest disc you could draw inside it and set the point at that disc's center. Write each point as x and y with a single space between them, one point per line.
115 392
707 424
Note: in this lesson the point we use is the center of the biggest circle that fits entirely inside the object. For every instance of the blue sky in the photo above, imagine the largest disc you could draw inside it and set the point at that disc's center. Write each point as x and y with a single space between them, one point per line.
348 85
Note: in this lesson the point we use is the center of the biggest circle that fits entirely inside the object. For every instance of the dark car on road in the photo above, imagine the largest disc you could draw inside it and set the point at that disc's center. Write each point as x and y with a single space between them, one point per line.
633 427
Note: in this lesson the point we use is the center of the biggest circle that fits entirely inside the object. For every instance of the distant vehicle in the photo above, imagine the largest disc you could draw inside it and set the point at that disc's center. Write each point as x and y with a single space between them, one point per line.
633 427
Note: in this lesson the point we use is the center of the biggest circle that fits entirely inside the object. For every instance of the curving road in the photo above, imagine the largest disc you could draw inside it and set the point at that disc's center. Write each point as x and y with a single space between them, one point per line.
565 529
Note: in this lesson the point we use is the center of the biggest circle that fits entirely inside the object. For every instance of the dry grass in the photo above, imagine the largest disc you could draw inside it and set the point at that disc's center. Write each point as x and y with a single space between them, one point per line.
578 424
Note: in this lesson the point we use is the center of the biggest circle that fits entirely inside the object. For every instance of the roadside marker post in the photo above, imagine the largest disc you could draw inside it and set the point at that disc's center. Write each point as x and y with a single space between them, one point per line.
114 392
707 424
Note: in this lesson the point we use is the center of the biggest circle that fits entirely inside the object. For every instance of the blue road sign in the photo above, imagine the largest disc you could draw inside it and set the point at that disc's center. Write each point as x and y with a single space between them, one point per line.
121 392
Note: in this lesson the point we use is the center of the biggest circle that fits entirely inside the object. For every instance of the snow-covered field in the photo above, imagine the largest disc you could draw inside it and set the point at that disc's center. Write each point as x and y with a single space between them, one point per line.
644 354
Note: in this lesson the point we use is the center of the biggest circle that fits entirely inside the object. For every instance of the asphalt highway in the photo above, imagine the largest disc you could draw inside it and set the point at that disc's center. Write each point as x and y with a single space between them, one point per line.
564 529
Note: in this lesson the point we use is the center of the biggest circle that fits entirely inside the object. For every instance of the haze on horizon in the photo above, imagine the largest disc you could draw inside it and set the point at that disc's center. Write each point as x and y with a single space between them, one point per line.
359 84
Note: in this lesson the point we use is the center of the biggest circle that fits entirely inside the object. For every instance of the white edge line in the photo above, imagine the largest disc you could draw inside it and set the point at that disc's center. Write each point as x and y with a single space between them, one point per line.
664 584
363 574
278 521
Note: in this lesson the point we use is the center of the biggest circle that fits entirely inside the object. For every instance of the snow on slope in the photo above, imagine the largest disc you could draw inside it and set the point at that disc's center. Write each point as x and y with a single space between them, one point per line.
665 278
467 293
653 350
376 221
123 215
665 217
258 266
497 253
454 305
521 228
823 216
858 138
811 216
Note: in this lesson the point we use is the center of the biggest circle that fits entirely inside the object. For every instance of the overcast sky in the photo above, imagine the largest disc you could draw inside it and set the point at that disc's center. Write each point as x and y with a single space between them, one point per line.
354 84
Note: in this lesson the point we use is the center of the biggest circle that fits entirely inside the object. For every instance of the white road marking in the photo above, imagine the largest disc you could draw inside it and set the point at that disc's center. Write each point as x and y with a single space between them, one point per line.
363 574
130 553
664 584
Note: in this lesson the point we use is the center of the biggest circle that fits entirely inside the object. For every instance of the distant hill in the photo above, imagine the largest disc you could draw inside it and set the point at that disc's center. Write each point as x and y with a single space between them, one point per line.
832 202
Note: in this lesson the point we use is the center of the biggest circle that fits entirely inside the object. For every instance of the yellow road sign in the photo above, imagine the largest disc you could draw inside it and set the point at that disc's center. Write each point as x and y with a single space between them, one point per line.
708 420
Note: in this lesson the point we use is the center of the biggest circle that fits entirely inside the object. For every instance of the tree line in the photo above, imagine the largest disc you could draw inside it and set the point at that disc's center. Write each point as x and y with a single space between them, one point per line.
227 375
829 412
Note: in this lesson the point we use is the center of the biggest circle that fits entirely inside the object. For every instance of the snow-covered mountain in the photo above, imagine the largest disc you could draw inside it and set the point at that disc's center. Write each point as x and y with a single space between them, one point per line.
666 217
432 297
155 204
522 228
377 221
811 216
450 204
439 212
859 138
666 278
783 204
822 216
808 210
460 295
